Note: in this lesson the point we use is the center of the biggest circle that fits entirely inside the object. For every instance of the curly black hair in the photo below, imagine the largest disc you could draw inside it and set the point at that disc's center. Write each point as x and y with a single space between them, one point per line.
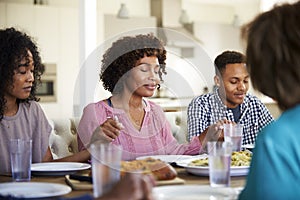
228 57
14 46
123 55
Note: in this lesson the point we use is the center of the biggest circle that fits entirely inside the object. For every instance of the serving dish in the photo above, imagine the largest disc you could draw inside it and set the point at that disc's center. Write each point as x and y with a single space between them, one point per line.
167 158
204 170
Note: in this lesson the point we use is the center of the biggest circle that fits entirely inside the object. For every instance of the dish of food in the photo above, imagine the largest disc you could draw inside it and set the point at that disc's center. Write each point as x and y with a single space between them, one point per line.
240 162
238 158
33 189
194 192
159 169
167 158
57 168
249 147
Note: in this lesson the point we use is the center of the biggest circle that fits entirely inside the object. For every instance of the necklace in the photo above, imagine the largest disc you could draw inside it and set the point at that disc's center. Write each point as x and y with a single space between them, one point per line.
135 113
137 117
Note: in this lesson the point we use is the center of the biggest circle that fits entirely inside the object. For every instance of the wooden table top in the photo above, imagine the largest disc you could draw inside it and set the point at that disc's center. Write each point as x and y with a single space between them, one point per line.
238 181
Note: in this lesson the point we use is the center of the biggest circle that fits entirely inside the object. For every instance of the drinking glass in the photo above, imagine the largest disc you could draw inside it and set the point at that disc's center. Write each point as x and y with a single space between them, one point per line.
219 157
106 166
20 159
234 133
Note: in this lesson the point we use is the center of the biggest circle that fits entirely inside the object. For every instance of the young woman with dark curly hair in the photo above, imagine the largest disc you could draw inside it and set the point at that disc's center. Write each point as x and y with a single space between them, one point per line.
131 70
20 114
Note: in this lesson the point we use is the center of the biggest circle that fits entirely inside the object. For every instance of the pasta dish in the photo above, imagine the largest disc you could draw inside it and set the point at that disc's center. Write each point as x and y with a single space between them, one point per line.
238 158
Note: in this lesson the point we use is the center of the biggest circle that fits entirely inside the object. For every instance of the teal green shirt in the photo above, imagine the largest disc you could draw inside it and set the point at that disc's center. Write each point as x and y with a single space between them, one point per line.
275 167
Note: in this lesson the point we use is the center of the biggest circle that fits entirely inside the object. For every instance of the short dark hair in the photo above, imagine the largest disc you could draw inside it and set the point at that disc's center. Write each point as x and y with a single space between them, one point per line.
273 53
228 57
123 55
14 46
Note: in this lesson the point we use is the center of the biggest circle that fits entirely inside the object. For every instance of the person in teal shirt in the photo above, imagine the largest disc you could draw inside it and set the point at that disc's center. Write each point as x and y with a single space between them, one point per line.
273 53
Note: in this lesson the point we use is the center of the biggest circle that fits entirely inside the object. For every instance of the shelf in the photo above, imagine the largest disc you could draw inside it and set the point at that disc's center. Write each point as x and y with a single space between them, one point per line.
172 104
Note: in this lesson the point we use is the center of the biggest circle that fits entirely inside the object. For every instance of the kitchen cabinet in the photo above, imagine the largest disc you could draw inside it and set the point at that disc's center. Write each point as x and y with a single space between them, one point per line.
40 22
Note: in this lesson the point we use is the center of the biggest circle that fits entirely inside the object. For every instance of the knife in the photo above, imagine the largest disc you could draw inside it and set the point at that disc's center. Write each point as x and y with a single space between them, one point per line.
81 178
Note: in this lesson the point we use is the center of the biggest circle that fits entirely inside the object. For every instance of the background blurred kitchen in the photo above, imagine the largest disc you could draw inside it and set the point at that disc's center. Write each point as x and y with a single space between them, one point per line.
72 34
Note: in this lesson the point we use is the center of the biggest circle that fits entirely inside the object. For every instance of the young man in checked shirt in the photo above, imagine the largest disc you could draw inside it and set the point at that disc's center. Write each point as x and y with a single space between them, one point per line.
229 102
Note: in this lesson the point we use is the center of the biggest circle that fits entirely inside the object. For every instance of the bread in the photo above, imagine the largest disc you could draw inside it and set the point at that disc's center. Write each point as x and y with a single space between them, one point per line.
159 169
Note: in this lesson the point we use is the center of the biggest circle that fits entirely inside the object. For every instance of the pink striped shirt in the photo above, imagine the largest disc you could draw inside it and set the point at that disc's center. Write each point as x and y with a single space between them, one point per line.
154 138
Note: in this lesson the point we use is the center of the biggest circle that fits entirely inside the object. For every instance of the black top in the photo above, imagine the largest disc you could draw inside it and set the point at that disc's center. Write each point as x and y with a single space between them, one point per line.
109 102
236 113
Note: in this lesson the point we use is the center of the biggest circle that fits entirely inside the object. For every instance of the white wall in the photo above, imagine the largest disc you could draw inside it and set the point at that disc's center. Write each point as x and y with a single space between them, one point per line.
140 8
218 37
221 11
2 15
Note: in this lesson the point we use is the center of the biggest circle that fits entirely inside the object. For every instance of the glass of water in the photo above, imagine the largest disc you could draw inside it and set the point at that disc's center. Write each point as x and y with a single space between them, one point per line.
219 163
20 159
234 133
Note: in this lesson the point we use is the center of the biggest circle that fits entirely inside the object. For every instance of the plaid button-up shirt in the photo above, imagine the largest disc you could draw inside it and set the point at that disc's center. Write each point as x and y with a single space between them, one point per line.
207 109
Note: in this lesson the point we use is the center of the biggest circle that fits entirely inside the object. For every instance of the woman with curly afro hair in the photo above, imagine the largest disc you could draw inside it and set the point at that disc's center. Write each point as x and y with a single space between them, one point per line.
21 117
132 69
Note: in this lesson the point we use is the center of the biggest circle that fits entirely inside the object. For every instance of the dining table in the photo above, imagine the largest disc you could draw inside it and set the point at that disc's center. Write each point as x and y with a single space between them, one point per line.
182 174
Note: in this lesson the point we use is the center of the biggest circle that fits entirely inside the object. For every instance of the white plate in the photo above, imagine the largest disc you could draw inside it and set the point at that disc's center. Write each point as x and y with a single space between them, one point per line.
248 146
58 168
167 158
195 192
33 189
204 171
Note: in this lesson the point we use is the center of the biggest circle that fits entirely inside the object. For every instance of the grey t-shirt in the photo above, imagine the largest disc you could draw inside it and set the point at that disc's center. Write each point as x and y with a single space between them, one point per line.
29 122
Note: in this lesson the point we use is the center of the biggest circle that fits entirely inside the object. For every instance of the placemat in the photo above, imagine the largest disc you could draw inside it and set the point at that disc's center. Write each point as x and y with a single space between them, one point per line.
84 185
